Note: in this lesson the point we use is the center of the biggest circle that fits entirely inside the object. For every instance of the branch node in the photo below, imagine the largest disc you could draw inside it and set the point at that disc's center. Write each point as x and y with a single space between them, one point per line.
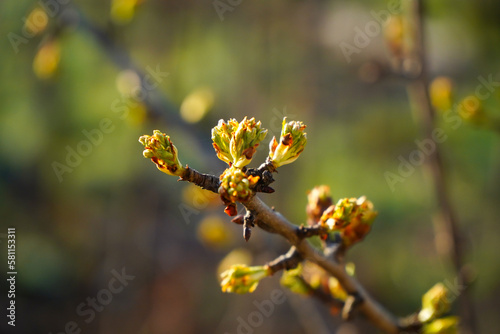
309 231
410 324
265 174
350 305
287 261
248 223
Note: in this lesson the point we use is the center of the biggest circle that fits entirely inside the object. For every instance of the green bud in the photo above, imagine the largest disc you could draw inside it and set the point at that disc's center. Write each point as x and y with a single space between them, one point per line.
236 143
336 290
243 279
162 152
221 137
292 279
434 303
292 142
448 325
148 154
344 209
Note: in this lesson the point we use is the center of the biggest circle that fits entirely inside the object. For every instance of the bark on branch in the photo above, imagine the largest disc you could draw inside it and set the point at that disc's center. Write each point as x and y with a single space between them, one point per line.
287 261
205 181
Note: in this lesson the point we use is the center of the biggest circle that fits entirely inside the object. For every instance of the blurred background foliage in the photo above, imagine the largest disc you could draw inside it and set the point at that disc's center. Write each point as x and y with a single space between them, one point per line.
264 59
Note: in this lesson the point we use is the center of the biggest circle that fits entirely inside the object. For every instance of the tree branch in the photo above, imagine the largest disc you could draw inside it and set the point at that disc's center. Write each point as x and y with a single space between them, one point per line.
273 222
270 220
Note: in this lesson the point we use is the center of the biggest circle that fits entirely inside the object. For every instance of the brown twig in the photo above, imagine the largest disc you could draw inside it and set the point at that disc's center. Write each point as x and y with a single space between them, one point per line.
310 231
205 181
286 261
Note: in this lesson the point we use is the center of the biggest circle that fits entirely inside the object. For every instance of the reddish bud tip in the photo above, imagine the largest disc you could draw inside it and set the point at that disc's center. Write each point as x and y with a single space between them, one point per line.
287 139
230 210
267 190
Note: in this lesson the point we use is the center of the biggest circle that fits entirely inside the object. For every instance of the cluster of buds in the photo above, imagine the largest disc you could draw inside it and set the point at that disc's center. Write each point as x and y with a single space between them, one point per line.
435 303
162 152
352 217
235 186
235 143
243 279
318 200
292 142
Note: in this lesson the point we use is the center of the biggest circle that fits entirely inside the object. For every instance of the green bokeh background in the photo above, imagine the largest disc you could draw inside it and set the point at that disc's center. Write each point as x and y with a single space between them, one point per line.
264 59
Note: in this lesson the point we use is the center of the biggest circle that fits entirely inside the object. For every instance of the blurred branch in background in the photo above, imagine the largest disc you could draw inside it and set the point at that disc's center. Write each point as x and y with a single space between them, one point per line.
159 108
449 238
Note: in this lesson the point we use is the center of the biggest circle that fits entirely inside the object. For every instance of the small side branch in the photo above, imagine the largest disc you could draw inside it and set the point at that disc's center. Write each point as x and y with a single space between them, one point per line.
268 166
310 231
411 324
335 249
205 181
287 261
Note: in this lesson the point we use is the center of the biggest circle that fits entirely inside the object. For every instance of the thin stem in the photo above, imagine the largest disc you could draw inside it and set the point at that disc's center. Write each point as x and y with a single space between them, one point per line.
268 165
